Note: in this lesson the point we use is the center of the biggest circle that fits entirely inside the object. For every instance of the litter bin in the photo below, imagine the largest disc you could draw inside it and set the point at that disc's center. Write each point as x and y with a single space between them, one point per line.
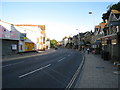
102 54
106 56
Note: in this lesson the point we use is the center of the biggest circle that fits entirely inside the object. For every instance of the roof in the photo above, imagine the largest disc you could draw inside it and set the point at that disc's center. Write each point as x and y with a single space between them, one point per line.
102 25
97 26
65 37
115 11
40 26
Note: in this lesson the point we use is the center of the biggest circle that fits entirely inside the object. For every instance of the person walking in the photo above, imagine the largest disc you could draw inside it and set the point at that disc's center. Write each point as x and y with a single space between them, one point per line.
88 50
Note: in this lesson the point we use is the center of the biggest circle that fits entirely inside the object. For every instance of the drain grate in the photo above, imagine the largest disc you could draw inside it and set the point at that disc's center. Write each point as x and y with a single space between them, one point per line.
100 67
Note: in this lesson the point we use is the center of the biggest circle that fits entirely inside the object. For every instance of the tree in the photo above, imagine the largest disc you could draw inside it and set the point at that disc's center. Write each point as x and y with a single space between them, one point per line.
110 7
53 43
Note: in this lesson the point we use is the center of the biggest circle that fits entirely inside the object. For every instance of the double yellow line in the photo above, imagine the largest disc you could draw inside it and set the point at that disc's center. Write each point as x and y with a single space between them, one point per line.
75 75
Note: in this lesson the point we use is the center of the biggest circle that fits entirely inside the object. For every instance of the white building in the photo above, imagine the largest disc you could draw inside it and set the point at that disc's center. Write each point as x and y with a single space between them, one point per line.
35 39
48 44
22 38
65 41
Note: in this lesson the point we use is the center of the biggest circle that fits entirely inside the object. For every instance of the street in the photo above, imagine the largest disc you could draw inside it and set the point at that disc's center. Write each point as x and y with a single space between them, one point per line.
67 45
53 70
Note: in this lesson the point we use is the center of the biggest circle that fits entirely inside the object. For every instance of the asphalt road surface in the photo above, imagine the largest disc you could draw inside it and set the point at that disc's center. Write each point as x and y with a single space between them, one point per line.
53 70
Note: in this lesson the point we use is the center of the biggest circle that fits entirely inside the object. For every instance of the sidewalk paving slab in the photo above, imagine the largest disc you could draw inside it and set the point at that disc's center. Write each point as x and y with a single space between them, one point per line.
97 73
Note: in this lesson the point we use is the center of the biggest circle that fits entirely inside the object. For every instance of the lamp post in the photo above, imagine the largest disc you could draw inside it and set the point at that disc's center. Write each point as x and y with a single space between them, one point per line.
90 12
93 18
70 41
79 39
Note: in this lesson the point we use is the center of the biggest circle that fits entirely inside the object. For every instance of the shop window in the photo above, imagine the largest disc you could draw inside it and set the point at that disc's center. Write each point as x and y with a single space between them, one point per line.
37 40
118 28
114 41
104 42
44 40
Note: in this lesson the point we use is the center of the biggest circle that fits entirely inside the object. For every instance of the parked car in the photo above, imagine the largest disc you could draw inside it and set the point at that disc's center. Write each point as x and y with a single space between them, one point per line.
56 48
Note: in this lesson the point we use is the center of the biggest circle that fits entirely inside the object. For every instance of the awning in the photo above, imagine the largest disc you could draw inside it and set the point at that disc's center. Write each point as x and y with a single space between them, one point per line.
97 42
112 36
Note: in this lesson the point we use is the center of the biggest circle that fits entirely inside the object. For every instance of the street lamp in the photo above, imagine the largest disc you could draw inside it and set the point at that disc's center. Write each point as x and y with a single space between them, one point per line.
77 30
90 12
79 39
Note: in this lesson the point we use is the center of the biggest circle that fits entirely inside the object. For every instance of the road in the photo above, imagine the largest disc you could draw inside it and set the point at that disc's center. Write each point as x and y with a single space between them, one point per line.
53 70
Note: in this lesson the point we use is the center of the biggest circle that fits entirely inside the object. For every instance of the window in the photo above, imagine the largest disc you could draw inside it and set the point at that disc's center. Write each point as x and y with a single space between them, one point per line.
118 27
114 41
104 42
14 47
44 40
114 29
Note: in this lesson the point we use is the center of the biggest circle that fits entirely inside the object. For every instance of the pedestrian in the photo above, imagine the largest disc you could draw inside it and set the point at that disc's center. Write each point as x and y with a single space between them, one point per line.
88 50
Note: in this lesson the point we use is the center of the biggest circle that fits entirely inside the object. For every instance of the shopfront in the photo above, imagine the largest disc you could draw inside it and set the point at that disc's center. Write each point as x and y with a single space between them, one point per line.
29 46
110 45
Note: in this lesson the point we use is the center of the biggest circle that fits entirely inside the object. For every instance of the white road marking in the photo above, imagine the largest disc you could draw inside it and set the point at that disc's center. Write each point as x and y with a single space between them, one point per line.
61 59
54 55
12 64
34 71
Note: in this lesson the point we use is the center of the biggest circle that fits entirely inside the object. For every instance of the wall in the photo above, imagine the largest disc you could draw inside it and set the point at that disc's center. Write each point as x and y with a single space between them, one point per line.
7 48
34 36
47 44
7 31
9 37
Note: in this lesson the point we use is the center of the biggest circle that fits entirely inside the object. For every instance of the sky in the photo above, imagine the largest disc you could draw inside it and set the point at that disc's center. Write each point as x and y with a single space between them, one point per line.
60 18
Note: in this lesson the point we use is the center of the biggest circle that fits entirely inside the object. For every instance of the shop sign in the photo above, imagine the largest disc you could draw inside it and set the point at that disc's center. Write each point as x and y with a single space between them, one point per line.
97 41
81 43
106 38
22 36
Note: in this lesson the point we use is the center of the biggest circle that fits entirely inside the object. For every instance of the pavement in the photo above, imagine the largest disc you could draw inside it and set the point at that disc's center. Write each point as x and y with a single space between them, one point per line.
26 55
97 73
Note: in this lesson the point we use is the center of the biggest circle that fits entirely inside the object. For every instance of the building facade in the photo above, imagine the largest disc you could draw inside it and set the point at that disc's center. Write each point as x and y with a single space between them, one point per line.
36 37
65 41
9 37
48 43
21 38
111 38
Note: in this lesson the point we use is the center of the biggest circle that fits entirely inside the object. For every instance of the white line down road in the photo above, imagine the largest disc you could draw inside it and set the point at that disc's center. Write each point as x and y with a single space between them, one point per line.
61 59
12 64
34 71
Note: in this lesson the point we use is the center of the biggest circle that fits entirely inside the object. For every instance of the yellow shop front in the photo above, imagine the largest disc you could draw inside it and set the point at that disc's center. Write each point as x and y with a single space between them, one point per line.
29 46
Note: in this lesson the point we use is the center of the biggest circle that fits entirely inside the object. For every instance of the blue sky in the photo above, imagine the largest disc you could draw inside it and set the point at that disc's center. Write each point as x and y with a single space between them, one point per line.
61 18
